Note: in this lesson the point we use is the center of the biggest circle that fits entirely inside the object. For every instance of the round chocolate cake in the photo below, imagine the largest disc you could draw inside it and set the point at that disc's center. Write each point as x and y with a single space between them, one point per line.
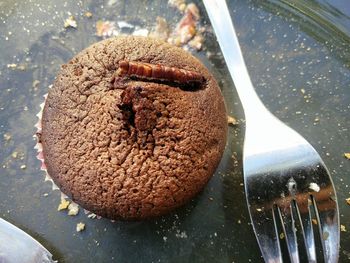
133 128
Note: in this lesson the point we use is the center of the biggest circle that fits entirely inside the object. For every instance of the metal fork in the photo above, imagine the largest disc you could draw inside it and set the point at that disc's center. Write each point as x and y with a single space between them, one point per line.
284 176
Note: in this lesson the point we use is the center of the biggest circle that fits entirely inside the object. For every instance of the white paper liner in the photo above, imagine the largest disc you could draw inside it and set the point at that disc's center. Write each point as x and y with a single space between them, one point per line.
40 156
39 146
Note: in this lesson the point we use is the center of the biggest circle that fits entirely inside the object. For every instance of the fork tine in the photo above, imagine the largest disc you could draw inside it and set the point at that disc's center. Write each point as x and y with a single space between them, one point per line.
304 215
327 216
264 224
288 225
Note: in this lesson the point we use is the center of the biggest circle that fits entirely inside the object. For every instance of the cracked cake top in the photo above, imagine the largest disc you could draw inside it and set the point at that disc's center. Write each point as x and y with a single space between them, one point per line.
138 144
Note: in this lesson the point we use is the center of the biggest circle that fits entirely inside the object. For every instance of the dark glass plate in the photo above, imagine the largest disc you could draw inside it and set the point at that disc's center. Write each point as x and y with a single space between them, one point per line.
299 59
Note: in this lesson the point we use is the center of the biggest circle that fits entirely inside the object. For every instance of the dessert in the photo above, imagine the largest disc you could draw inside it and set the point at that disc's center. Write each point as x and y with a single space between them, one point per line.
132 128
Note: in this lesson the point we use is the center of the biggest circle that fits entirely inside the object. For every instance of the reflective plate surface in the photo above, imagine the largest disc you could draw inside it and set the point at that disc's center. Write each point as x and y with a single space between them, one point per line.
299 59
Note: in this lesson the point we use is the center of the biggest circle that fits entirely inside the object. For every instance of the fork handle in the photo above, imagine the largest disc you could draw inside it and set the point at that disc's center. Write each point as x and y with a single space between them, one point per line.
221 21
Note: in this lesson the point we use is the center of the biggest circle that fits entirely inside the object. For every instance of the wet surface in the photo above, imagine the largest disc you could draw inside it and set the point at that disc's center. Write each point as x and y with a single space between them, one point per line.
299 59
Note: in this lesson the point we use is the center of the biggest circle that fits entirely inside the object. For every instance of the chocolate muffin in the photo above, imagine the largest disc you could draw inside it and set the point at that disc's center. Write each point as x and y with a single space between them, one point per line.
133 128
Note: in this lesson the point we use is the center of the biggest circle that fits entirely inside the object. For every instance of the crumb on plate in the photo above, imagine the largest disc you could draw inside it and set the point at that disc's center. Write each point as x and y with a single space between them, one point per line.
161 29
73 209
70 22
63 205
186 29
80 227
7 137
179 4
88 14
347 200
105 29
231 120
196 42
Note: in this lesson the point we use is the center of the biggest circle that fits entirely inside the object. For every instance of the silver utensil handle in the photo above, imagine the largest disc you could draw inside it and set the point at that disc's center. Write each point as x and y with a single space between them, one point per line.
18 246
227 38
